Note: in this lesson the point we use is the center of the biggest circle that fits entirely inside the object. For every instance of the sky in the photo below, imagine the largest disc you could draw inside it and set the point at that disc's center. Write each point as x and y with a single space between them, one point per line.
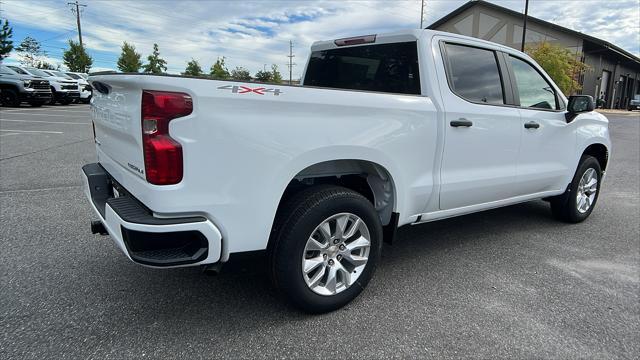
256 33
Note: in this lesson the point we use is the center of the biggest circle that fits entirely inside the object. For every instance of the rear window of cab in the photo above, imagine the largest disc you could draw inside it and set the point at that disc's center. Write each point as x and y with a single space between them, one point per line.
391 68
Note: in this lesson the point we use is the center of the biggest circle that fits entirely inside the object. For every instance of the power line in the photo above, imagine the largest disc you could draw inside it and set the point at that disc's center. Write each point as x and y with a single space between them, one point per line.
77 12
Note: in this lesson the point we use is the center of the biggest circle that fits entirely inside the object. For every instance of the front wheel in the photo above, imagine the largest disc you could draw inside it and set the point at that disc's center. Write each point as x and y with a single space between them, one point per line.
325 247
578 202
9 97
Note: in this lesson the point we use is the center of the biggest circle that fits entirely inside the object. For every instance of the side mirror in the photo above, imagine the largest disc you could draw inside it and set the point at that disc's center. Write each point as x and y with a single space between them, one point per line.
578 104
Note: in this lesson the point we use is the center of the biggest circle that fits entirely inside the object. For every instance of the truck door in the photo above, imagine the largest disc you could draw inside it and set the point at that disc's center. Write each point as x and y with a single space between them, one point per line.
482 135
547 156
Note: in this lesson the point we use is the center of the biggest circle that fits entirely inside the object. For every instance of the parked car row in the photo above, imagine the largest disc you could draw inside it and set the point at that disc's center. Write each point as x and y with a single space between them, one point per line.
37 87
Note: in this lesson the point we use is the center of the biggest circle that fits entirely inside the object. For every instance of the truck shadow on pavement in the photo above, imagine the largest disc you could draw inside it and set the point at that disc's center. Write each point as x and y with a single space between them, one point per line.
242 292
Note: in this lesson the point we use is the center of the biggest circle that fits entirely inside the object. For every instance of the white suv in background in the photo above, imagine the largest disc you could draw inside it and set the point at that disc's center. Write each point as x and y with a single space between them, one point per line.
85 89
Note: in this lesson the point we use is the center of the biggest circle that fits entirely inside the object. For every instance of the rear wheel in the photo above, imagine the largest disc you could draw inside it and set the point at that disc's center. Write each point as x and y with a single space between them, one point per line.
325 247
578 202
9 97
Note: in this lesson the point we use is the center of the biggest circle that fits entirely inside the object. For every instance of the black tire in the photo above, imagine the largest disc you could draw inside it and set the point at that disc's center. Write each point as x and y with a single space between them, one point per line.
9 97
36 104
65 102
565 207
295 223
53 96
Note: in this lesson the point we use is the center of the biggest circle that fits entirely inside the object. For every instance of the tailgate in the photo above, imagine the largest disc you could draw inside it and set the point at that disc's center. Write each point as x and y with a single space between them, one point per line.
115 112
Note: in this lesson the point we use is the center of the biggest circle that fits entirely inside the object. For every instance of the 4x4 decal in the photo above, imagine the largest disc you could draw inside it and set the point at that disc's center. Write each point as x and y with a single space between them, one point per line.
239 89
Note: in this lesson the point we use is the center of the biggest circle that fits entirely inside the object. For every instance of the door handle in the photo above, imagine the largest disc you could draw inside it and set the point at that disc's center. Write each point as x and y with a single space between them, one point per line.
461 123
531 125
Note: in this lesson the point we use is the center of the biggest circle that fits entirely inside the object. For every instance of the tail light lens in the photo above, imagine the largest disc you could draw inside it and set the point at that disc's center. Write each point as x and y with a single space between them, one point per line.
162 154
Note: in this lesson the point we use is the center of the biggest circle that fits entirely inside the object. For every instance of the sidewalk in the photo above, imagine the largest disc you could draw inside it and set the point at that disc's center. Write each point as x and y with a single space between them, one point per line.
619 112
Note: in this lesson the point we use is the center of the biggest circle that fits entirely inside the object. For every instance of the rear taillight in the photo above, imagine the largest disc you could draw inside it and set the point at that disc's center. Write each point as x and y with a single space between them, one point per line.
162 154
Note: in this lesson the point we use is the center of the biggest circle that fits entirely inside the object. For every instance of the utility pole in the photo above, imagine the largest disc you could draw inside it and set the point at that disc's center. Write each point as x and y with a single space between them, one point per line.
291 63
77 12
422 15
524 26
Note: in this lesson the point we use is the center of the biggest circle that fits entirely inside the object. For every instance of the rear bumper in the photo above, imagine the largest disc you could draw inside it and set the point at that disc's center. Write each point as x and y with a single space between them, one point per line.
145 238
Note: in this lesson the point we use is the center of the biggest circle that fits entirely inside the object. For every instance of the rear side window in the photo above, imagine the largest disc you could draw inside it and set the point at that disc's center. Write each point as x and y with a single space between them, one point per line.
474 74
391 68
18 70
534 90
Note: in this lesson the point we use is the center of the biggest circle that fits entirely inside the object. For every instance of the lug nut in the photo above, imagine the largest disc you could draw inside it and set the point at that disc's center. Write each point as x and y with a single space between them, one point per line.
336 241
339 257
324 256
330 261
342 247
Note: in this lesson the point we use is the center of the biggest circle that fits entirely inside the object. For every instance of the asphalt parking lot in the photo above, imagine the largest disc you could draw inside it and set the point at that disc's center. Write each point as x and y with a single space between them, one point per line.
507 283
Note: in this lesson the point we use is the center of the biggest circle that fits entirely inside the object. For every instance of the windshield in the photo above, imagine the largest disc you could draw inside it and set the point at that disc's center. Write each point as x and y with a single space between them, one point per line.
37 72
6 70
75 76
61 74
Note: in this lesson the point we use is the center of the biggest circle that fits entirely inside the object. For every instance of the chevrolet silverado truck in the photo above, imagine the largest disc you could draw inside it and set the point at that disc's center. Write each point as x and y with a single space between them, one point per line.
16 88
386 130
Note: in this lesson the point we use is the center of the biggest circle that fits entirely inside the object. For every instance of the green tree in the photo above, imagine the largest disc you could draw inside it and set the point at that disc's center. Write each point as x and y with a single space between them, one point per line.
43 64
129 60
30 51
240 73
561 64
276 77
263 76
76 58
219 69
6 44
156 65
193 68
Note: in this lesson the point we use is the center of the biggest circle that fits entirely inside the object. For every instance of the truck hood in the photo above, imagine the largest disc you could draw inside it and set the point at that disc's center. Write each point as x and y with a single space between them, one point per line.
62 80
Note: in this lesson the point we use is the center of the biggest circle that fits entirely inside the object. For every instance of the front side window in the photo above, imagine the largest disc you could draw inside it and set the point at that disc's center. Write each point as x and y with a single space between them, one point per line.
534 90
474 74
391 68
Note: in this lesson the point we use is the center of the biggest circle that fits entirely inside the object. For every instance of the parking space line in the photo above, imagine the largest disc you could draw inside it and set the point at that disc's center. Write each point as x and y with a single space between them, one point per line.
46 122
55 115
9 134
33 131
41 189
46 109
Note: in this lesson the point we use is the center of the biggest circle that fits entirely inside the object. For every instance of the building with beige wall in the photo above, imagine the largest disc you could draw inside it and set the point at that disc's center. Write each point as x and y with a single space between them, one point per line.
613 74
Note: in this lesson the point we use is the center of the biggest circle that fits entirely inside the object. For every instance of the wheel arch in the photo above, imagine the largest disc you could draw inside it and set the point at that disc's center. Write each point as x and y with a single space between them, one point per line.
371 179
600 152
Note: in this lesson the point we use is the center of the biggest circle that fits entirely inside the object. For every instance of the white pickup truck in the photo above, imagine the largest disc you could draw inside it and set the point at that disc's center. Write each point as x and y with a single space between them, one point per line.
387 130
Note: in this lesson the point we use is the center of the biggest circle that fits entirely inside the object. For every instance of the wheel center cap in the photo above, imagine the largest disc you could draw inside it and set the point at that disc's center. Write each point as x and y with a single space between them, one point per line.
332 251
